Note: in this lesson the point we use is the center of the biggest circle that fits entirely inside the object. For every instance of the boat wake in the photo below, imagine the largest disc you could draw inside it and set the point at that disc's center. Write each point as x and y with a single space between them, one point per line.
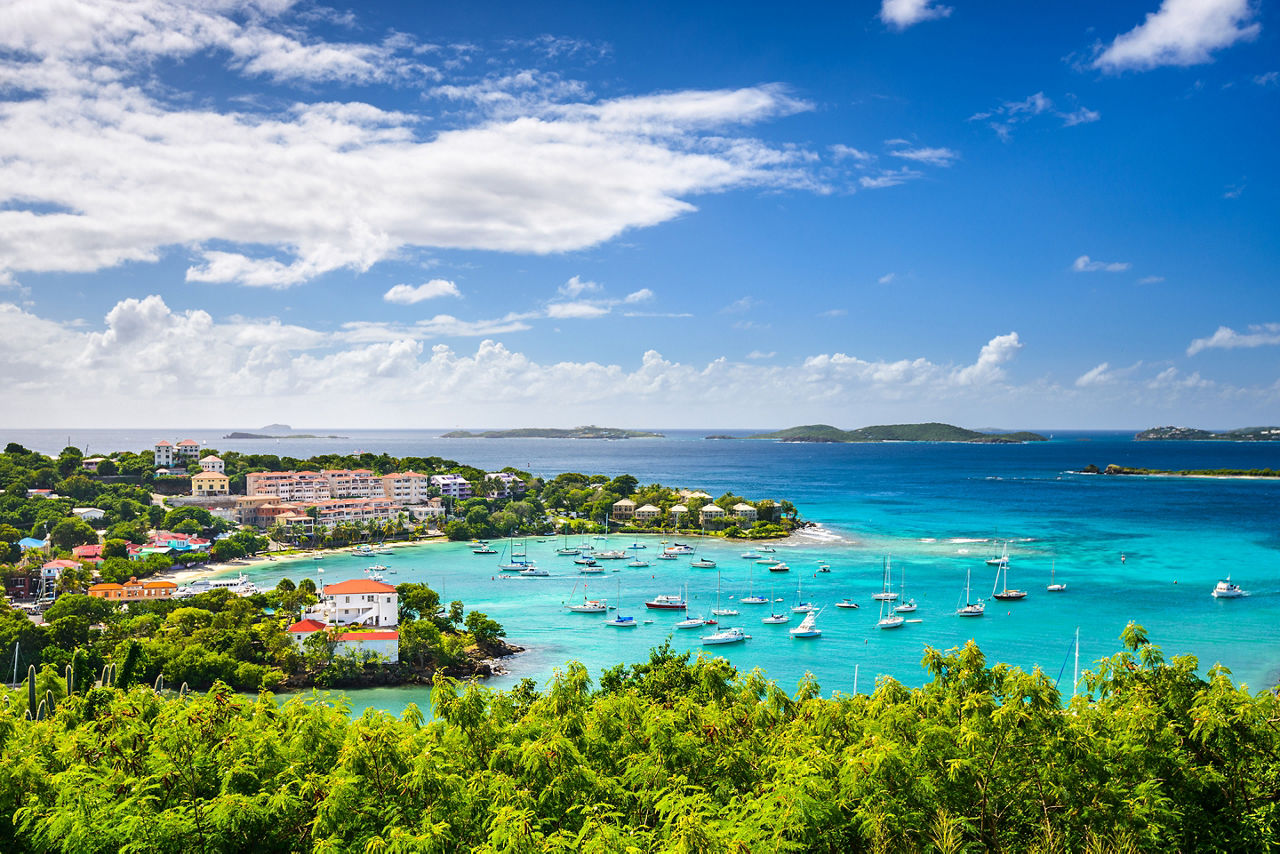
820 534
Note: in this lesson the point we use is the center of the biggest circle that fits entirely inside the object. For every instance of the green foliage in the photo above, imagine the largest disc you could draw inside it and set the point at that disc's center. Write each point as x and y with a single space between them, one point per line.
69 533
672 754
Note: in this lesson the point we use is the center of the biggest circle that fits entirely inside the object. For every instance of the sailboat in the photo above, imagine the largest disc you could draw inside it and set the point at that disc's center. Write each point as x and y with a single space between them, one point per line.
751 598
776 618
801 606
567 550
619 620
589 606
909 606
1001 559
885 594
717 611
1055 587
892 620
970 609
1006 595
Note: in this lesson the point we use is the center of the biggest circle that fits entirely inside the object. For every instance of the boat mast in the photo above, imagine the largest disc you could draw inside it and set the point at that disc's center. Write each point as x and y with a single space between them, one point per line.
1076 683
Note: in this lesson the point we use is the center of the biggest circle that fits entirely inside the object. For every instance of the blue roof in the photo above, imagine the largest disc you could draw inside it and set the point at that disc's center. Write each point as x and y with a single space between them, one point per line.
32 543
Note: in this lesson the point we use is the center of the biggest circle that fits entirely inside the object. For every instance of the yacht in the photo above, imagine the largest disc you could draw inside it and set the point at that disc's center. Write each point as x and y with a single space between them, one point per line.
766 549
637 562
589 606
679 549
824 567
239 585
703 563
808 627
892 620
1227 590
482 550
567 551
1001 559
1006 595
611 555
534 572
779 567
846 603
666 556
734 635
886 593
778 619
638 546
750 555
666 602
907 607
691 623
801 606
1055 586
622 622
585 560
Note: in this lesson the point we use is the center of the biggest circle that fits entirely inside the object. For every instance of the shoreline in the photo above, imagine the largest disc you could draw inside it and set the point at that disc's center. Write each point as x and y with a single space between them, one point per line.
186 575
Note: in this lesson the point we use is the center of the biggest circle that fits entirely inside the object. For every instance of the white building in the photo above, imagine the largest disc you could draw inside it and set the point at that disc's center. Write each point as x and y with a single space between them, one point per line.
385 643
511 484
407 487
89 514
213 464
358 601
163 453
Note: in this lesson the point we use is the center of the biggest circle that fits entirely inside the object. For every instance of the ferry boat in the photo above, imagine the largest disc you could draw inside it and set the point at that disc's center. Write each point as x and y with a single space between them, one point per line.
240 586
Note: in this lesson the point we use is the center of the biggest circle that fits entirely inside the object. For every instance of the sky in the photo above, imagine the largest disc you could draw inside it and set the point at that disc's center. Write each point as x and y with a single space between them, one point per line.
415 214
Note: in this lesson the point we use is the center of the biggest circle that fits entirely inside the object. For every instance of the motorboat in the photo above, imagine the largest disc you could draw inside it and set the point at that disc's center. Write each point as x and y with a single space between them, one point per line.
824 567
847 603
808 627
667 556
750 555
1227 590
768 561
779 567
679 549
734 635
666 602
534 572
482 550
591 569
703 563
611 555
724 612
766 549
777 619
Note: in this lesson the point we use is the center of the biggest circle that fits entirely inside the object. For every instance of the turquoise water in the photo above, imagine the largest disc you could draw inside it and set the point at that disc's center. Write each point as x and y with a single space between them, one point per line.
938 510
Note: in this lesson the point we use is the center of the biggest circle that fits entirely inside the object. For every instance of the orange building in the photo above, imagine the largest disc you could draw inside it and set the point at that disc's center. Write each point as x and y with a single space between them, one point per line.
133 590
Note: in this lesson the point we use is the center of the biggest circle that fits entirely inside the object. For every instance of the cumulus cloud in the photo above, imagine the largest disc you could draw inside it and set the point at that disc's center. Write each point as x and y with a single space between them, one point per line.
1085 264
579 310
410 295
1096 376
1150 280
576 287
642 295
740 305
102 169
1182 33
887 278
1226 338
987 369
900 14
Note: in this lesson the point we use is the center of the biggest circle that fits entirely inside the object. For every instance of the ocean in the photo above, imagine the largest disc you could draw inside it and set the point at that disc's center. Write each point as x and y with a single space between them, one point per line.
1128 548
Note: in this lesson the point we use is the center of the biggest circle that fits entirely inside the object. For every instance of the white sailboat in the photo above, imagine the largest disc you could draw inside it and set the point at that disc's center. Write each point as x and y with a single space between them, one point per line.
970 608
717 611
891 620
751 598
886 593
619 620
1054 586
909 606
589 606
734 635
801 606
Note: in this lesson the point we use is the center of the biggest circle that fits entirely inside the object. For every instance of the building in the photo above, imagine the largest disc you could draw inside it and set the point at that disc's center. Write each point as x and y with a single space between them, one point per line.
186 451
433 510
678 511
133 590
287 485
210 483
647 513
511 484
358 601
212 463
407 487
384 643
452 485
710 513
744 511
624 509
353 483
164 454
91 464
89 514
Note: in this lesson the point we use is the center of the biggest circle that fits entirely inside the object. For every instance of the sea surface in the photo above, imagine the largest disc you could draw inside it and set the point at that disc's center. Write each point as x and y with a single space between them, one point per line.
1144 549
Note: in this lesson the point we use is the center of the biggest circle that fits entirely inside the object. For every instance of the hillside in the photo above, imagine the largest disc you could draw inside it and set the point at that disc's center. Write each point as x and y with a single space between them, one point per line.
588 432
1192 434
929 432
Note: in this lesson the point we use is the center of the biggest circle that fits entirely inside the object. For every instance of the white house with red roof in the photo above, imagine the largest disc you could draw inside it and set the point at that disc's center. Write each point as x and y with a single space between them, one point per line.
384 643
358 601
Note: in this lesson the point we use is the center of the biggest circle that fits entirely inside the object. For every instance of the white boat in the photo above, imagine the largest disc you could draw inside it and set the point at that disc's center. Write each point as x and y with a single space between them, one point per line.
638 546
611 555
751 598
591 569
801 606
891 620
766 549
750 555
534 572
384 550
482 550
667 556
691 623
589 606
703 563
585 560
734 635
363 549
637 563
1054 586
779 567
778 619
717 611
1227 590
239 585
622 622
824 567
886 593
847 603
909 606
808 627
1001 559
768 561
678 549
666 602
567 551
970 608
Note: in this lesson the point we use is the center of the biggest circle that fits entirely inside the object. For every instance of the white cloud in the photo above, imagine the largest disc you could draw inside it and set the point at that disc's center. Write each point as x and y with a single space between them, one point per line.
576 310
1081 116
1085 264
1235 191
1182 33
111 169
410 295
931 156
1095 376
576 287
740 305
846 152
887 278
1226 338
900 14
1269 78
1150 280
835 312
890 178
642 295
757 354
996 352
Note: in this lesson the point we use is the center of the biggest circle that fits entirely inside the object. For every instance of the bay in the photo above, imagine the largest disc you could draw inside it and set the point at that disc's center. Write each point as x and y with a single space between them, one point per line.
939 510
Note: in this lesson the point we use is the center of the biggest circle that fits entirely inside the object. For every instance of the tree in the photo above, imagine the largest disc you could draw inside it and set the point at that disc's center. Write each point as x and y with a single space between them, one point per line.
107 468
70 533
225 550
416 601
115 548
483 630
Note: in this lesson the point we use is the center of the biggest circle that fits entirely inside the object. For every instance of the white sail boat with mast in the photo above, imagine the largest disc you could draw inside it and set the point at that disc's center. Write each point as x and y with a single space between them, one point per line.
970 608
886 593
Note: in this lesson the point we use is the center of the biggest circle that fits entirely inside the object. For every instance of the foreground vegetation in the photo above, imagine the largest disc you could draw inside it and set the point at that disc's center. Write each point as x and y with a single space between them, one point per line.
665 756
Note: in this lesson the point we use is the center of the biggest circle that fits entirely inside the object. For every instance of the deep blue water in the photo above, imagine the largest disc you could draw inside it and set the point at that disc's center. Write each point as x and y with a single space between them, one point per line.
937 509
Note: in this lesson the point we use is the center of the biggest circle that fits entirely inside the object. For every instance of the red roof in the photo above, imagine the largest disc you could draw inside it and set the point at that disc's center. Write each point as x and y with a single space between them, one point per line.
163 444
358 585
63 563
305 626
368 636
93 550
188 442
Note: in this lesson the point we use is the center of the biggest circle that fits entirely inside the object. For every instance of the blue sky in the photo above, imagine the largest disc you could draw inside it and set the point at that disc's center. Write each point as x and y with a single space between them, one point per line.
488 214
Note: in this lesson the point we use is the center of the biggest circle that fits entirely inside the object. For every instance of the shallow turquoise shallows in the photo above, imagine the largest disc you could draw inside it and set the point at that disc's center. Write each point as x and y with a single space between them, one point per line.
937 511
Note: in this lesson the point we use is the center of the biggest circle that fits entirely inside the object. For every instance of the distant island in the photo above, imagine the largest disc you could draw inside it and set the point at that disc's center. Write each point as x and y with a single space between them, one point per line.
238 435
588 432
720 436
1191 434
1114 469
930 432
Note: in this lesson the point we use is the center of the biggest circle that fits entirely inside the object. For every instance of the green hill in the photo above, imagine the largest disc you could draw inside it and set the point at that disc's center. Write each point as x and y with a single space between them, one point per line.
588 432
932 431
